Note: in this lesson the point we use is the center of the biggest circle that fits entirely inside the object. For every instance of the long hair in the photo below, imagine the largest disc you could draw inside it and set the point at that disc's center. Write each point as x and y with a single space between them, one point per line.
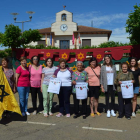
136 65
110 63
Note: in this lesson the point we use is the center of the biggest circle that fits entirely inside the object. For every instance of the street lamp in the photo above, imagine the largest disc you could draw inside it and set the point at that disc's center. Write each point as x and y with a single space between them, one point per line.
15 18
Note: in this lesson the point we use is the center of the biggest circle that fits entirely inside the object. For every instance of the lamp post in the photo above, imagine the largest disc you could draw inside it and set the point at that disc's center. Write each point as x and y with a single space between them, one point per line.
15 18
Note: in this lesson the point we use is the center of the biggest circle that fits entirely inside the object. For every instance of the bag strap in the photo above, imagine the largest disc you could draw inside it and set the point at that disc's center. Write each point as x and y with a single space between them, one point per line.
95 73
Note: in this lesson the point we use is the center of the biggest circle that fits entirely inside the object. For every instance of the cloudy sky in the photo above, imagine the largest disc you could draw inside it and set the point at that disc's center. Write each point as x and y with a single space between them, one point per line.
105 14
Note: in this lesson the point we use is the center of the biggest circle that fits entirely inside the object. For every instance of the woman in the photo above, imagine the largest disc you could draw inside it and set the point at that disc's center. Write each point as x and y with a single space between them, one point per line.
9 74
94 84
79 76
23 85
64 74
124 76
136 73
139 63
47 73
10 78
108 75
35 82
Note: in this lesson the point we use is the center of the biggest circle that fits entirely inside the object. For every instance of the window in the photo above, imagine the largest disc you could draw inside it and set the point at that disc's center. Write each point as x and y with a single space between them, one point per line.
86 42
42 42
64 17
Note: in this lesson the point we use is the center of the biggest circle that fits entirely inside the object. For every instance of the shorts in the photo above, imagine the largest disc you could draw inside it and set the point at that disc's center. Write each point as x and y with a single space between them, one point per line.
136 90
94 91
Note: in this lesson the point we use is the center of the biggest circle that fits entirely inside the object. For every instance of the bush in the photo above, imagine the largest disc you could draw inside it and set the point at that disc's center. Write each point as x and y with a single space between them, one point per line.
107 45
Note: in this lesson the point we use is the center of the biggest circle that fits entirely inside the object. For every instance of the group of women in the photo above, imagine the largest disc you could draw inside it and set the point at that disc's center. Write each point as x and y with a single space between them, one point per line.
104 78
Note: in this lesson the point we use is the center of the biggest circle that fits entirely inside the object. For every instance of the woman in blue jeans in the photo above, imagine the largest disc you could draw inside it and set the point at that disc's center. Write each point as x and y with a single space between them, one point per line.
65 75
23 85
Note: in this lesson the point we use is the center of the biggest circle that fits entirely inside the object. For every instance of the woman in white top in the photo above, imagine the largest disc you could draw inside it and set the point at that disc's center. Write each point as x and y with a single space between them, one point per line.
47 73
65 75
108 75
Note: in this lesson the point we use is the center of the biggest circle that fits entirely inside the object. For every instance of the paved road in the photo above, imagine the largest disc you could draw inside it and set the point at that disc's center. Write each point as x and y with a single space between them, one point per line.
40 128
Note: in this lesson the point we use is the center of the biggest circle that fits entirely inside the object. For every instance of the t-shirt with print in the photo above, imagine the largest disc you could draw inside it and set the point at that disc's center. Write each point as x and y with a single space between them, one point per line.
79 77
93 80
136 75
110 75
48 73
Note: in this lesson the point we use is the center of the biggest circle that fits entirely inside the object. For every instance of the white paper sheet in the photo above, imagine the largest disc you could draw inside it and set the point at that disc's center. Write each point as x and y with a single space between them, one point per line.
127 89
54 85
81 90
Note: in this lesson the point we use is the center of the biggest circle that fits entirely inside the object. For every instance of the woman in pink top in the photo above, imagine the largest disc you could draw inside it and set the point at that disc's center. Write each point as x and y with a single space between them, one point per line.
35 81
94 84
23 85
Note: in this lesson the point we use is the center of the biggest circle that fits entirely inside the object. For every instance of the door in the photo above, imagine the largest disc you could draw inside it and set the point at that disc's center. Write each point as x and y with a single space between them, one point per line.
64 44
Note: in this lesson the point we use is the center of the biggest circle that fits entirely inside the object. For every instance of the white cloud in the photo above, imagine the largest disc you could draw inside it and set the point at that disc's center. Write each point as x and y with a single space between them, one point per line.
98 19
119 34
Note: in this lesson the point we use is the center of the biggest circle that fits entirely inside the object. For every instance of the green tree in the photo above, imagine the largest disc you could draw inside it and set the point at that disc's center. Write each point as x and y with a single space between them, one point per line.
13 38
133 25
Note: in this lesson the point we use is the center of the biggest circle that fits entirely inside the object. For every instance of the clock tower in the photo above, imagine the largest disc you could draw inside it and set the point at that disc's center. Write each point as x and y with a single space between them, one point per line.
64 24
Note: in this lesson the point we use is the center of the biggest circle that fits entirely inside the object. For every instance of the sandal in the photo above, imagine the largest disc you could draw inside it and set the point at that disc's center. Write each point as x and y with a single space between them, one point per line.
50 113
92 114
99 114
45 115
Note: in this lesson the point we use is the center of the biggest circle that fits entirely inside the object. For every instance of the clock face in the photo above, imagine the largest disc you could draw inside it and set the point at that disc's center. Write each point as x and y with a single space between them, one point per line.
63 27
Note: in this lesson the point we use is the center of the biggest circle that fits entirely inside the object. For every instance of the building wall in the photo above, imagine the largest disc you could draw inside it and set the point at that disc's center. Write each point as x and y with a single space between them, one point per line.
96 39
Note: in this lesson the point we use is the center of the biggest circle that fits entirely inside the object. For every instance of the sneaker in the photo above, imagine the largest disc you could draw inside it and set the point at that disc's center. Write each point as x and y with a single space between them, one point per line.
41 112
50 113
113 113
68 115
84 117
27 113
128 118
35 112
108 114
133 114
75 116
119 117
45 114
59 115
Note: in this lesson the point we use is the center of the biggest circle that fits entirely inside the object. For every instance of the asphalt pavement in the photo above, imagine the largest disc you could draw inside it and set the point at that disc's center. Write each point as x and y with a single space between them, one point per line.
38 127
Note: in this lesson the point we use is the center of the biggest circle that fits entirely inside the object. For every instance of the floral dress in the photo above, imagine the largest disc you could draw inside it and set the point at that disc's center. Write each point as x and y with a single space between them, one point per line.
9 75
79 77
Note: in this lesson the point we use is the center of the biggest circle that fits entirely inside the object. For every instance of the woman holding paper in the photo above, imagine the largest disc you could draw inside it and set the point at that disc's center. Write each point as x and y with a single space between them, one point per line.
124 75
79 76
94 85
108 75
47 73
136 73
64 74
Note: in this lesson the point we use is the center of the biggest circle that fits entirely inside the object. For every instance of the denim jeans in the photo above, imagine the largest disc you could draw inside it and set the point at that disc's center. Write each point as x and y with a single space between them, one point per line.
64 99
23 98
